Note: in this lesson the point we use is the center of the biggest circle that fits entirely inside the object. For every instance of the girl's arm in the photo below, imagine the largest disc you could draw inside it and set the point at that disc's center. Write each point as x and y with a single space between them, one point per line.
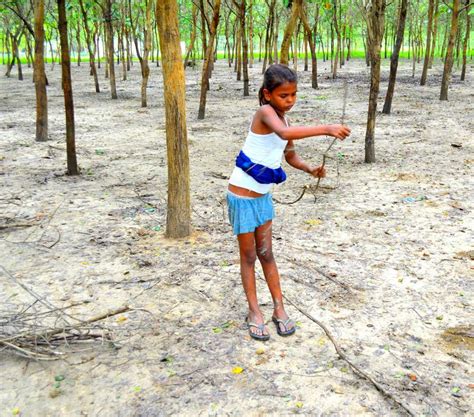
297 162
268 117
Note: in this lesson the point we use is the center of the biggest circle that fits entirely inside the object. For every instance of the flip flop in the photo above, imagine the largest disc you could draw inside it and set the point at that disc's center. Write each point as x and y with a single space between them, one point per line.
285 323
261 327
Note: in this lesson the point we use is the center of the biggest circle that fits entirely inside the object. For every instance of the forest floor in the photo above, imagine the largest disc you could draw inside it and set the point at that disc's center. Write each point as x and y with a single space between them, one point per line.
384 260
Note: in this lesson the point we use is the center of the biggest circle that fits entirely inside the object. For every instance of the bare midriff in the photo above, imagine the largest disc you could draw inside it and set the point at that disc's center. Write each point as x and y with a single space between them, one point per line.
244 192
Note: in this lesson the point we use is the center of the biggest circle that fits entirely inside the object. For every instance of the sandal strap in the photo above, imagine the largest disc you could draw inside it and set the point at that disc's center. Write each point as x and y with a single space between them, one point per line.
260 326
283 322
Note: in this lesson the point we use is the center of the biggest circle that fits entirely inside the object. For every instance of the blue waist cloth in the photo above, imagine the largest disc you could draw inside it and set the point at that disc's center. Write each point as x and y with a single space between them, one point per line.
260 173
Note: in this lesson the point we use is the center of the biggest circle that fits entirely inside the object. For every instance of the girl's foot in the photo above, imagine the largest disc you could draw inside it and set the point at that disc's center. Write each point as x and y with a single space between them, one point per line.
285 326
256 326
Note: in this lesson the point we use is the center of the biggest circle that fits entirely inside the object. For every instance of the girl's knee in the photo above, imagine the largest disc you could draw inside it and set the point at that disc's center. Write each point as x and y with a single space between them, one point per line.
248 256
265 254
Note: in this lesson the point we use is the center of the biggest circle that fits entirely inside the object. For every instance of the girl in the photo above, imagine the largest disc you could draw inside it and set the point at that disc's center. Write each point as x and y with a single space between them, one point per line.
250 205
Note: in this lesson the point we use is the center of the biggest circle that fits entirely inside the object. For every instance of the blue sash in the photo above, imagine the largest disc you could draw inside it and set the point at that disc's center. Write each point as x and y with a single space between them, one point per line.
260 173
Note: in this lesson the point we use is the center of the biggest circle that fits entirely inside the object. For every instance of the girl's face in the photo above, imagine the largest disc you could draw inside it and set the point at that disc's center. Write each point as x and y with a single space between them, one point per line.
283 97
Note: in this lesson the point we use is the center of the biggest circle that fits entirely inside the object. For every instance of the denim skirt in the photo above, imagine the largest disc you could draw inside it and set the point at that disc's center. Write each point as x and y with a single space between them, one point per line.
247 213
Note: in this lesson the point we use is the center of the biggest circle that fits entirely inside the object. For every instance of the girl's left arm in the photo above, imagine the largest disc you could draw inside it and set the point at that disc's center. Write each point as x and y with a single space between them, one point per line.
297 162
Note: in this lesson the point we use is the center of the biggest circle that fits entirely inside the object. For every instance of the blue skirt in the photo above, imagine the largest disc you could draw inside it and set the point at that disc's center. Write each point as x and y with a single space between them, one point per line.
248 213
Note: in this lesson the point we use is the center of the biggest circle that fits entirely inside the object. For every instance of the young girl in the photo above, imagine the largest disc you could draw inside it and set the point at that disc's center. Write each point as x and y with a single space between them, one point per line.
250 205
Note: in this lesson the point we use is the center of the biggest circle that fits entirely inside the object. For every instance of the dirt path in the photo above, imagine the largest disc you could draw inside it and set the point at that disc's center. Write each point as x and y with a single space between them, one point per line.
384 260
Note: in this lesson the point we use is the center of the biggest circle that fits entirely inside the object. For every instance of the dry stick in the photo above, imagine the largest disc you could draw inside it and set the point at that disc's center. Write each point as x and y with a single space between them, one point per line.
356 369
16 225
325 156
54 332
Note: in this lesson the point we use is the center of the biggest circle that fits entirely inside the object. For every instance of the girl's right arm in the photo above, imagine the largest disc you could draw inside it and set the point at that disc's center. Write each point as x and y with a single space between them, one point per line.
268 117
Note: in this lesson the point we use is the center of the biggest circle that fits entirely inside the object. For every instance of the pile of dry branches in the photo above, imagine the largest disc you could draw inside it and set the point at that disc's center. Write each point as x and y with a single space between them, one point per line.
40 330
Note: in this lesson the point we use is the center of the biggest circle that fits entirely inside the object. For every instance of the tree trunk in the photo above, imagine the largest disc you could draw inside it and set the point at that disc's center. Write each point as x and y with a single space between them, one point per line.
193 36
72 168
375 26
90 40
146 51
311 36
395 55
338 39
40 75
251 43
289 30
448 63
466 41
435 31
208 58
429 30
110 47
178 220
243 35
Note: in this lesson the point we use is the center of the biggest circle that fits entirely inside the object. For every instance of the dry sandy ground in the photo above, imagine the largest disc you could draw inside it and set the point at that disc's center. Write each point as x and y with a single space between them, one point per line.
390 276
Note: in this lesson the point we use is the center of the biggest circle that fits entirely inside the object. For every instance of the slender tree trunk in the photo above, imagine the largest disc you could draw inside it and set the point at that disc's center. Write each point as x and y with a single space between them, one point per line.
90 41
72 168
466 41
429 30
146 51
202 8
193 35
375 28
448 63
39 74
310 37
289 30
207 59
251 43
110 47
243 35
395 55
338 38
435 31
178 220
274 58
16 41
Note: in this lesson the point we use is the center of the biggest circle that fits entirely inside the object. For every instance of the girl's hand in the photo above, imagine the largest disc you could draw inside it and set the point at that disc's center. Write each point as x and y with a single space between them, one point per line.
339 131
318 172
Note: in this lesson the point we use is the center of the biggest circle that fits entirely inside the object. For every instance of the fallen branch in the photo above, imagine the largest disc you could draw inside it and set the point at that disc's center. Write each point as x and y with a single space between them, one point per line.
359 372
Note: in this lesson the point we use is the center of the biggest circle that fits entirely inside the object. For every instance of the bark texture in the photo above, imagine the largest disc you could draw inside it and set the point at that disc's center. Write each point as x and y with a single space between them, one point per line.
448 61
40 75
72 168
395 55
178 220
375 30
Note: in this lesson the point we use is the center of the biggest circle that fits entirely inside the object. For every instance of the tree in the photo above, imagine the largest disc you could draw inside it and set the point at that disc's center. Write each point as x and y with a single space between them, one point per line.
72 168
208 57
428 42
178 220
375 30
289 31
448 61
394 59
40 75
90 41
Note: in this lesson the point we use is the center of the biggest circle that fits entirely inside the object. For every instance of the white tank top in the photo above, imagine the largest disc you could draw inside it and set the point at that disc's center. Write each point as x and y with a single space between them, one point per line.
265 150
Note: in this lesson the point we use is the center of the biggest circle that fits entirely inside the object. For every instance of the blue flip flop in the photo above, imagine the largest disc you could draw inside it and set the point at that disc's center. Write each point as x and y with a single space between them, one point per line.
284 323
262 337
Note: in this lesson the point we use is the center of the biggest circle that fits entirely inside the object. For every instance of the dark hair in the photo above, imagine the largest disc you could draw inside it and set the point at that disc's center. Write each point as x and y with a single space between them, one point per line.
275 75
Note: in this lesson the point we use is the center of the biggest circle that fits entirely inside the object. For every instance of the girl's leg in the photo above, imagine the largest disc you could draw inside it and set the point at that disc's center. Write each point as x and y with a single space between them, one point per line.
263 238
247 270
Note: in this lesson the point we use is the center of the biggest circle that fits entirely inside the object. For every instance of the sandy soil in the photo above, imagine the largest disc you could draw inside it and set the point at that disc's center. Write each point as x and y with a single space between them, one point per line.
389 275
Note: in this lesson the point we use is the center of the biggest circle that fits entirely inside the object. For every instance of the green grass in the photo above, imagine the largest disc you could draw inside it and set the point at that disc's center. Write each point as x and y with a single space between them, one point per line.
355 54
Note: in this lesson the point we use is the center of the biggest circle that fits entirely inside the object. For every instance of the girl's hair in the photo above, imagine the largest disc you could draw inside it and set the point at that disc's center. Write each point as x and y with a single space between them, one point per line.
275 75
